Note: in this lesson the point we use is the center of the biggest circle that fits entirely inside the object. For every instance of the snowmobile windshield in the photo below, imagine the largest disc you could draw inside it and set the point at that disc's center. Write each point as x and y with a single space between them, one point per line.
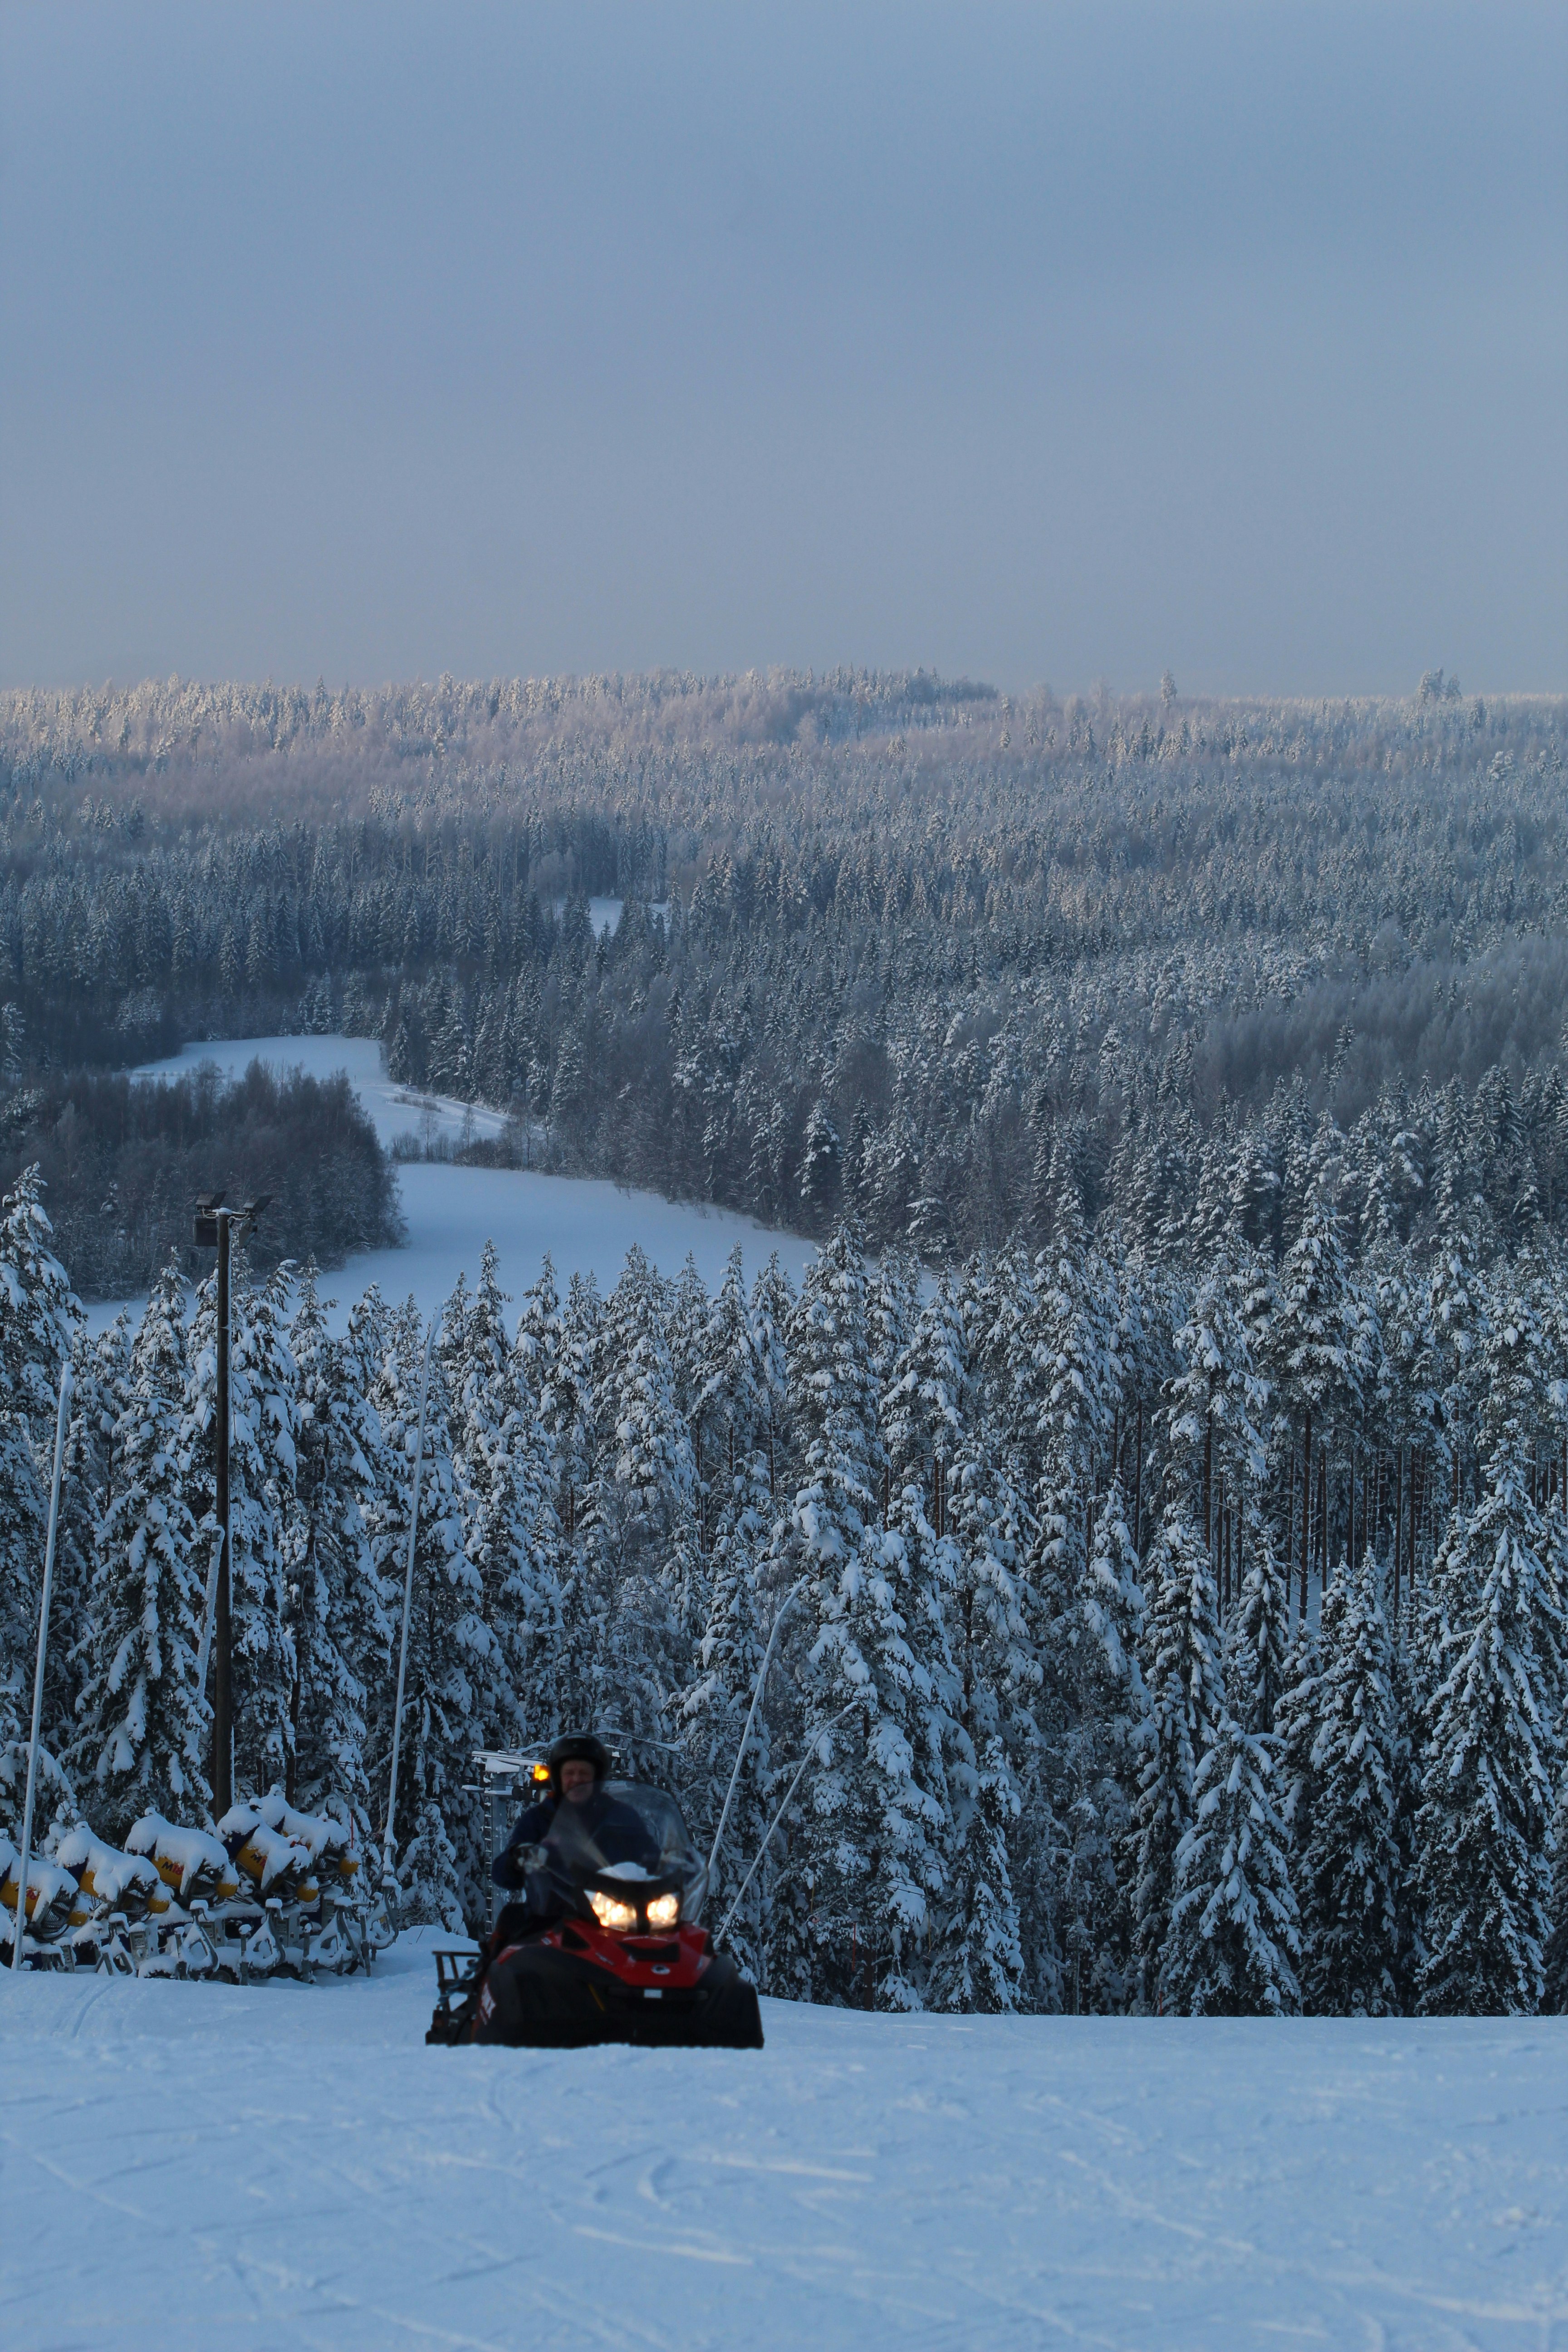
627 1855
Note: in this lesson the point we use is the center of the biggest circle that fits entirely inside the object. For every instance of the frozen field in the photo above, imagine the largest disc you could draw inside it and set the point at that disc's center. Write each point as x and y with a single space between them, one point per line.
585 1225
192 2166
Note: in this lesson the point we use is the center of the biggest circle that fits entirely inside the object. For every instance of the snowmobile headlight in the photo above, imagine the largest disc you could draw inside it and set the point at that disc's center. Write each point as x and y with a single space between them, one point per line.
664 1911
620 1917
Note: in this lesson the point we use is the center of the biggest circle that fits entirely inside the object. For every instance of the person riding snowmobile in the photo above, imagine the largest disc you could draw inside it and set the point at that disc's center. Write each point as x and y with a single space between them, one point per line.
578 1765
587 1955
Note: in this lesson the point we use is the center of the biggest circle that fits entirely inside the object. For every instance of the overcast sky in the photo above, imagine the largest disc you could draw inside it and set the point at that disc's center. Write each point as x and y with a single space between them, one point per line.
1042 344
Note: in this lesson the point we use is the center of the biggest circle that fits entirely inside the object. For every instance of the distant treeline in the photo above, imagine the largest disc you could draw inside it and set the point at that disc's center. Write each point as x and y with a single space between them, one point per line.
892 943
124 1161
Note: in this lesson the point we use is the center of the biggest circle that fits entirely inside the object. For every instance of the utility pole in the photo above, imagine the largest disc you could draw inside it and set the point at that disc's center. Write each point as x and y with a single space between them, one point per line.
214 1230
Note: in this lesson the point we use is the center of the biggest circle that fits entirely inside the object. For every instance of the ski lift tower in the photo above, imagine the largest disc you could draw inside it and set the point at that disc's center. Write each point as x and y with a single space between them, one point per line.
215 1229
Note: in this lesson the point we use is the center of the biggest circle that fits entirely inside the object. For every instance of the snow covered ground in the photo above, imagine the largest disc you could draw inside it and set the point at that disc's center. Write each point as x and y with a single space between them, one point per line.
393 1110
192 2166
605 914
586 1226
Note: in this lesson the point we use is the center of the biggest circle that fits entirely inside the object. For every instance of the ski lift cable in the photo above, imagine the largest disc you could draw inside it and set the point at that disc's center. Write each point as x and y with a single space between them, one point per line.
19 1932
788 1600
408 1595
789 1794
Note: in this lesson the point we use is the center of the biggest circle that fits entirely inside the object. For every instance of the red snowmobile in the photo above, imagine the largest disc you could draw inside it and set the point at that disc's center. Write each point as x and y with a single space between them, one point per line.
608 1948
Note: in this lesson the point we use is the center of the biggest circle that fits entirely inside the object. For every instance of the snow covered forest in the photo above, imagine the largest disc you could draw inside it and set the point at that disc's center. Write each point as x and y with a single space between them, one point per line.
923 951
1165 1461
1164 1638
124 1159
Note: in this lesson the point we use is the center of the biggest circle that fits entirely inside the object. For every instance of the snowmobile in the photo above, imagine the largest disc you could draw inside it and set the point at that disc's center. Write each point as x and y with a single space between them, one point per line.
608 1948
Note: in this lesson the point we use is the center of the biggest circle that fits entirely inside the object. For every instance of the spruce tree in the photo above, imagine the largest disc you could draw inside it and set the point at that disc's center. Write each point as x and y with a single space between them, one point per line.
340 1613
429 1878
1348 1875
37 1330
1186 1711
537 1338
1233 1946
715 1705
979 1964
1102 1752
451 1650
641 1581
500 1462
731 1415
144 1725
1554 1992
262 1469
988 1671
1256 1662
91 1471
368 1635
772 1303
1493 1749
870 1835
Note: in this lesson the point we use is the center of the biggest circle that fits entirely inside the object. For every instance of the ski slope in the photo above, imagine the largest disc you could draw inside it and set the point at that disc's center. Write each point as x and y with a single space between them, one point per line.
586 1226
186 2166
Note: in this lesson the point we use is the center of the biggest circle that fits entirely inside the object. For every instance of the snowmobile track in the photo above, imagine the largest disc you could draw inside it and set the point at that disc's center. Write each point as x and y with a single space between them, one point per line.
182 2165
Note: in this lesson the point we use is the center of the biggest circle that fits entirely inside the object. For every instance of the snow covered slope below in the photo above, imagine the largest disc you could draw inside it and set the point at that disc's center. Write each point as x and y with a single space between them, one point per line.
192 2166
586 1226
393 1109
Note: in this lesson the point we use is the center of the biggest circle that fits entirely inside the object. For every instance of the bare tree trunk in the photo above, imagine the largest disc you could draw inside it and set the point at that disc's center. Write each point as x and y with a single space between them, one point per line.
1138 1486
1322 1520
1306 1500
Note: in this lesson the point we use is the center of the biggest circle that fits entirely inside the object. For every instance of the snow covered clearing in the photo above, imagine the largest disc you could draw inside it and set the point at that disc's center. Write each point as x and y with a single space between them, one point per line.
192 2165
586 1226
605 914
393 1110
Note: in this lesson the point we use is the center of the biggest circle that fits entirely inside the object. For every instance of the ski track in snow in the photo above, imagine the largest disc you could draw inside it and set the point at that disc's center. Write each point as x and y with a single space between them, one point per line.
186 2166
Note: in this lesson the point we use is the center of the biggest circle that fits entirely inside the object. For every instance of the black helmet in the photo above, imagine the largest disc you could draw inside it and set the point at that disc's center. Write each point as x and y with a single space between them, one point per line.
577 1744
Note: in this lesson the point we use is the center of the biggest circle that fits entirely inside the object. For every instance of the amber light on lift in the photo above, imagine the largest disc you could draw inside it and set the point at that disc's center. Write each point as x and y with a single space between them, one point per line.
542 1776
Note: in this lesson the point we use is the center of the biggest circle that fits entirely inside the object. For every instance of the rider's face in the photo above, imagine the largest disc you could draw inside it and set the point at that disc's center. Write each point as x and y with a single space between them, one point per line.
576 1779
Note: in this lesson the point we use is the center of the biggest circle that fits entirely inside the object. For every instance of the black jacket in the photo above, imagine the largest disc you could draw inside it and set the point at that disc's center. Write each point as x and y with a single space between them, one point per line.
532 1825
616 1831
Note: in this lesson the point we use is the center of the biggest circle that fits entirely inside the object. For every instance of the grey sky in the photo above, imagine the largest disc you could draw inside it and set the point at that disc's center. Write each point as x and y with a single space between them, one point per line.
1039 342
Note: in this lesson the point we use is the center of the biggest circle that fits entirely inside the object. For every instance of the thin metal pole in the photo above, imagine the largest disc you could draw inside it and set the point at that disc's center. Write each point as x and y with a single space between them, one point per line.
408 1594
778 1816
208 1611
223 1620
18 1933
756 1699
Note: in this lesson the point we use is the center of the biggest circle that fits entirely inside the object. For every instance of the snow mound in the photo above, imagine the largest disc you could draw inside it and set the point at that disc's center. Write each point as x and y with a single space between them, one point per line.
189 1852
102 1871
